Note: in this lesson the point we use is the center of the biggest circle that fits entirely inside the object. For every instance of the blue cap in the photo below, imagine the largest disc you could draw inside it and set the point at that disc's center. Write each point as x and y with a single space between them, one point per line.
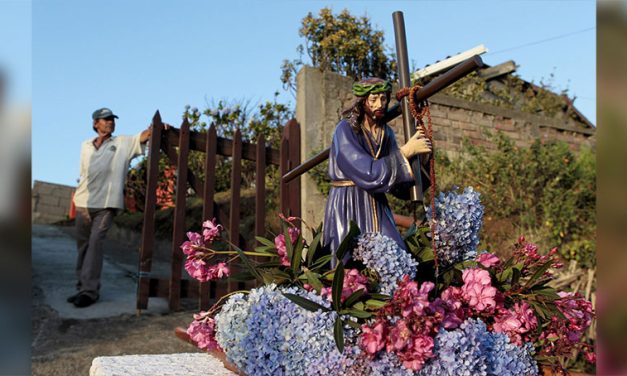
103 113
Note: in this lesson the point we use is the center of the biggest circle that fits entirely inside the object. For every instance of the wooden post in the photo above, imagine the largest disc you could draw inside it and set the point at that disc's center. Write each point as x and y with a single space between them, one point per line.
148 230
260 193
294 153
208 210
179 218
260 188
284 167
236 180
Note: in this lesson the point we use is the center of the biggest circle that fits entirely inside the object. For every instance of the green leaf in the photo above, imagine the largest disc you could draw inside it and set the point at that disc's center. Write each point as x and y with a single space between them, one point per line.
505 275
425 255
266 242
374 303
540 311
269 264
380 296
322 261
267 250
359 313
515 275
508 263
288 242
306 303
313 248
338 334
353 232
546 291
297 254
313 280
248 264
337 286
275 276
538 273
354 297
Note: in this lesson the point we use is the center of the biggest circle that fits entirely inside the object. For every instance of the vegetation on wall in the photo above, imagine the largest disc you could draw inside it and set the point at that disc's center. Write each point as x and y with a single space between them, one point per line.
514 93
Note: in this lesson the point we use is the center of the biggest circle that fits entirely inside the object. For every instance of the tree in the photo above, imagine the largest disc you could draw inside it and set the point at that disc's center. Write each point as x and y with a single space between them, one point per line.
344 44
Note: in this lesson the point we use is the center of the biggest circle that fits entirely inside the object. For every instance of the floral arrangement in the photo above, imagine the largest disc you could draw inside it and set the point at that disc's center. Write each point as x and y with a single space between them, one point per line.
389 311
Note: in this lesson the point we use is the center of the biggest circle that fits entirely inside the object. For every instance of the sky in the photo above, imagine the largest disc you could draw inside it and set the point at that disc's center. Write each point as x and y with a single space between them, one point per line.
140 56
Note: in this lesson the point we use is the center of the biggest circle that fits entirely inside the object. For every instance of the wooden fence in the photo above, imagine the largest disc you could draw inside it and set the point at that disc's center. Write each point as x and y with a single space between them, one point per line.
176 144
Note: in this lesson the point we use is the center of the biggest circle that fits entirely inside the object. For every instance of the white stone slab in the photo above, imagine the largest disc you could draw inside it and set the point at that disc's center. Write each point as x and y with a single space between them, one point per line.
185 364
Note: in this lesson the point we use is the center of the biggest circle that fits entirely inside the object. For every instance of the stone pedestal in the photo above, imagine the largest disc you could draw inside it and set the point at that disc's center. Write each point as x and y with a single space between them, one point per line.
185 364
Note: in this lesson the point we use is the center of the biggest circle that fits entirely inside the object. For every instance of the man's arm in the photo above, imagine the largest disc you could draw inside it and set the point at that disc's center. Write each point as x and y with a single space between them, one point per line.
145 135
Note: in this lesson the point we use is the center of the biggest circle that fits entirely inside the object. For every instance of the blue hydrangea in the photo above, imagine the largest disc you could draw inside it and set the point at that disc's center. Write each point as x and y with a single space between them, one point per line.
383 255
508 359
458 221
264 333
473 351
388 364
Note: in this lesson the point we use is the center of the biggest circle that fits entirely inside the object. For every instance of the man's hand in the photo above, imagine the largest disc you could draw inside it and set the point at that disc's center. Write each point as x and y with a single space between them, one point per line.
145 135
417 144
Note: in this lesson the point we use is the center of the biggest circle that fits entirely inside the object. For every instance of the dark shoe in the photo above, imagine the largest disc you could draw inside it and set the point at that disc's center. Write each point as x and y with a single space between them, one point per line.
72 299
84 300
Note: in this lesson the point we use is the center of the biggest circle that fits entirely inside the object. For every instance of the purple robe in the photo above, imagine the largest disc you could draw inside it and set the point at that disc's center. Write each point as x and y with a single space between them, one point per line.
362 171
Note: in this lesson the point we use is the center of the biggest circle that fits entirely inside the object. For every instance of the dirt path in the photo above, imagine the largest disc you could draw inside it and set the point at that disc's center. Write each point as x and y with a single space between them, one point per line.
66 339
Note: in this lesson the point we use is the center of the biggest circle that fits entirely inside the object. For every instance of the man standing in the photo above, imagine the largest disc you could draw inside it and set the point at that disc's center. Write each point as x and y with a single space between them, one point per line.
99 196
365 163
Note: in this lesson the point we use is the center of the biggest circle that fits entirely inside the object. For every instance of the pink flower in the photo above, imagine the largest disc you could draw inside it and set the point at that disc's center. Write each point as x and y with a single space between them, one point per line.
591 357
289 220
488 260
410 299
279 243
578 312
211 230
420 350
202 332
372 340
190 248
353 281
197 268
221 270
518 322
507 322
399 337
325 292
477 290
449 306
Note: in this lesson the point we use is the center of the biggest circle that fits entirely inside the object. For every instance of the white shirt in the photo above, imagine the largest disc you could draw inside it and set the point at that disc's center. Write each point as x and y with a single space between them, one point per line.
103 171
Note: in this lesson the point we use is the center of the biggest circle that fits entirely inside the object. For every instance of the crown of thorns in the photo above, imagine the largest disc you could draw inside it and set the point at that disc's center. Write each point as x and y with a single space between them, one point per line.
363 89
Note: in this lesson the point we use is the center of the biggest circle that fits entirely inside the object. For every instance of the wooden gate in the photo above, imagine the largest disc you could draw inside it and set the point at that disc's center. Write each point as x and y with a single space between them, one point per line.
168 141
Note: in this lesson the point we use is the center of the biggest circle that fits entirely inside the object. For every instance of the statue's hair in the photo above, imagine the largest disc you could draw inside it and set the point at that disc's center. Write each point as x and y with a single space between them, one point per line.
354 114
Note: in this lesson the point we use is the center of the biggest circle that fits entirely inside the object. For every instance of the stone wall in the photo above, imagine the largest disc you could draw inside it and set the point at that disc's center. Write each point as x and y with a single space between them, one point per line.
322 95
50 202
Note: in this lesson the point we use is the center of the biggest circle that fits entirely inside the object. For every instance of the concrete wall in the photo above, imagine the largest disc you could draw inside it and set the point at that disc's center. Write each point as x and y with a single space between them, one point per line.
322 95
50 202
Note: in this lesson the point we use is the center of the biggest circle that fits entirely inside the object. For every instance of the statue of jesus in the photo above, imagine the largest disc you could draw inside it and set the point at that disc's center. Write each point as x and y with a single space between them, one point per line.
365 163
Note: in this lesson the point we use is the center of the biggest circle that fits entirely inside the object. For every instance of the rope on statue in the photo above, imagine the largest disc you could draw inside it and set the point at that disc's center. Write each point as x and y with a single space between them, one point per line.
419 111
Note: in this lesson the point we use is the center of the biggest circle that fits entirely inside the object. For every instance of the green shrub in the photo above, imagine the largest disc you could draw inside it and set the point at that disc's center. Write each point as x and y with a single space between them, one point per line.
545 191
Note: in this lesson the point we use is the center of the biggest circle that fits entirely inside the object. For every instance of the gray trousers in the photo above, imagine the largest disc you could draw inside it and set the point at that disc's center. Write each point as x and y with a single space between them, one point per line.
91 228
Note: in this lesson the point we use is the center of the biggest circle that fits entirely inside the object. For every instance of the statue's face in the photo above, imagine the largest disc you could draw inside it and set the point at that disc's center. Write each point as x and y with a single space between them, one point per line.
376 105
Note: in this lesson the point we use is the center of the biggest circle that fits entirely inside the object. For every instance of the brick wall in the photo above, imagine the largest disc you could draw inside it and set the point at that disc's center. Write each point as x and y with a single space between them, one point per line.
50 202
322 95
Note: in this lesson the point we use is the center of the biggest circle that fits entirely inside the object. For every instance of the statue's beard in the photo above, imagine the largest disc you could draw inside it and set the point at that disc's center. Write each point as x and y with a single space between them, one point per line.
375 116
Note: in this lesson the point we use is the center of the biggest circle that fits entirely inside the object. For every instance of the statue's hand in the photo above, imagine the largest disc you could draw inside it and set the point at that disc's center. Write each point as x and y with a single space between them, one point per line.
417 144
